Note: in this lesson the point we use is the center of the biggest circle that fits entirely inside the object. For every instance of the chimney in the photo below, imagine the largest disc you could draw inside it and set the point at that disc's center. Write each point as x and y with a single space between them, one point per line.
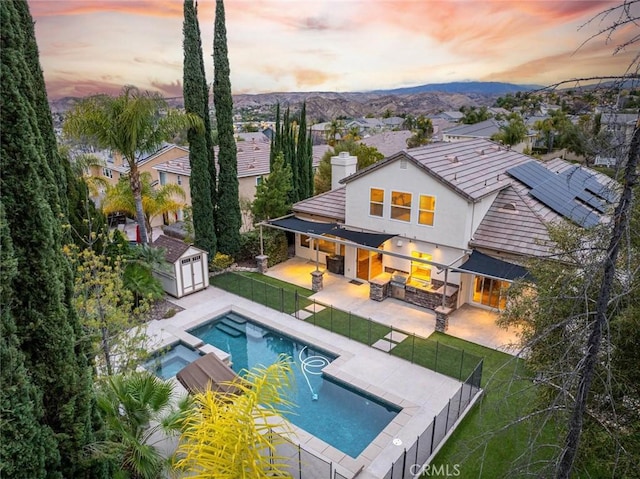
342 166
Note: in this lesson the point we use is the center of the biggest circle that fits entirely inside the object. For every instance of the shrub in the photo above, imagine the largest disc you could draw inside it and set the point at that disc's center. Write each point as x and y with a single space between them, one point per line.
275 246
220 262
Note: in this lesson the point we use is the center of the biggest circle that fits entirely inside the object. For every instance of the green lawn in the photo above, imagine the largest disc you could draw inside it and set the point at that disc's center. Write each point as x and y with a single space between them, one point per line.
430 353
485 445
437 354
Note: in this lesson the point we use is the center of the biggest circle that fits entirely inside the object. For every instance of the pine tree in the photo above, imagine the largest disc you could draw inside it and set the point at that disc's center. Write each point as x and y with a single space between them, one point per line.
272 194
46 324
229 218
196 101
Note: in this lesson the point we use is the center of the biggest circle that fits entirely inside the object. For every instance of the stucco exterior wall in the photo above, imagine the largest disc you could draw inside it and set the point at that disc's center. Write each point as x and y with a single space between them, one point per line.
452 212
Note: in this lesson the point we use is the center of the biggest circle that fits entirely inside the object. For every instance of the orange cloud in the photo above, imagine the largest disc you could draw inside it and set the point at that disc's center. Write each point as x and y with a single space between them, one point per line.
155 8
172 90
306 77
569 65
81 87
479 26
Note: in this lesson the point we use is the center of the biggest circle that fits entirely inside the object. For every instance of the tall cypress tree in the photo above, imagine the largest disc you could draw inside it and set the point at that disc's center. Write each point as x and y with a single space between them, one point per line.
276 139
303 157
55 353
27 446
229 217
196 101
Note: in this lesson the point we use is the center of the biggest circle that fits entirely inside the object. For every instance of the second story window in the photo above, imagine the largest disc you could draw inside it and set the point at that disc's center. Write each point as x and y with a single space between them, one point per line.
376 202
258 180
179 180
401 206
163 178
427 210
107 172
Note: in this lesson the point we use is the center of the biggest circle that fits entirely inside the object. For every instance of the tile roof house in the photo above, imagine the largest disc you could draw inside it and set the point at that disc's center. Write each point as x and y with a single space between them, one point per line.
484 129
388 142
447 205
253 164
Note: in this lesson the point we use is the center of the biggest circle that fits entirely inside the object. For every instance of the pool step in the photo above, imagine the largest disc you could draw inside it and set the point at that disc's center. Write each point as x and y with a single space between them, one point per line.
233 325
235 318
228 329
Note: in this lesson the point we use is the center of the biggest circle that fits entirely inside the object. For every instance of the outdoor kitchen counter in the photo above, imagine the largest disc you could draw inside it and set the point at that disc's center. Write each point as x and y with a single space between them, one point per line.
430 295
379 287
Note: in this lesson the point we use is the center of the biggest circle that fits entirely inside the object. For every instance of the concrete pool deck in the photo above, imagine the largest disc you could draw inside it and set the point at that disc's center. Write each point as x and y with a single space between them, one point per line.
420 392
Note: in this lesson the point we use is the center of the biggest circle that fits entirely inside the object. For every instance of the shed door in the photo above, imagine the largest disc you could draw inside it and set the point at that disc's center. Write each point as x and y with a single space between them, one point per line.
197 268
187 276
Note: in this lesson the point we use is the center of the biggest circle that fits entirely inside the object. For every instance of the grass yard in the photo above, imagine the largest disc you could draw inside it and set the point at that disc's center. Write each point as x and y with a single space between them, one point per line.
430 353
483 444
435 354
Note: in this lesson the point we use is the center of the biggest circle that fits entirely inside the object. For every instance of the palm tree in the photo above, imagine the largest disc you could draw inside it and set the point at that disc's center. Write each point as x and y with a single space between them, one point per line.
332 130
139 413
132 124
82 166
229 436
513 132
158 200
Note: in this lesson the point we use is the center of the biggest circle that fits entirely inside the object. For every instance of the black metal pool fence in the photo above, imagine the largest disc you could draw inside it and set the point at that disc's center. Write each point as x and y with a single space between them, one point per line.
433 355
442 358
304 464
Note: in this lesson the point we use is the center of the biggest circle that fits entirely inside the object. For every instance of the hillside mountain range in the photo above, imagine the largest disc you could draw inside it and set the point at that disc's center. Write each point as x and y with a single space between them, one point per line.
325 106
478 87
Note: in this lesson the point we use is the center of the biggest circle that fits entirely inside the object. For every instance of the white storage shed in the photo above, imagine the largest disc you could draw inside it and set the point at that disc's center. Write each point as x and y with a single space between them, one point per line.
188 269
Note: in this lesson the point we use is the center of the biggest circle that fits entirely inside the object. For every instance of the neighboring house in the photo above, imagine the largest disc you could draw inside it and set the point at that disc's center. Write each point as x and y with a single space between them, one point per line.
495 111
454 220
253 165
450 115
484 129
388 142
187 268
620 127
393 122
440 125
253 136
366 125
115 166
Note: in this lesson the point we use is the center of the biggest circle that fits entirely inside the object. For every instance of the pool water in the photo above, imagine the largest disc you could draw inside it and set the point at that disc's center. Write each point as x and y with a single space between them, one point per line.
168 363
339 415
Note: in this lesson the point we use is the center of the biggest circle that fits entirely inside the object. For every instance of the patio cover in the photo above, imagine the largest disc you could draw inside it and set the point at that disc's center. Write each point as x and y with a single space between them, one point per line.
303 226
488 266
366 239
207 372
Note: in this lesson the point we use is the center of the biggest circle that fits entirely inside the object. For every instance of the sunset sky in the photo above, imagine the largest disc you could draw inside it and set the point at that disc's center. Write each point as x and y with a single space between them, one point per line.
91 46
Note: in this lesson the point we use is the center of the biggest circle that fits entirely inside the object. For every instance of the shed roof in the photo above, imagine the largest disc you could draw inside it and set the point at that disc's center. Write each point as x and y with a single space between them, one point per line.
174 248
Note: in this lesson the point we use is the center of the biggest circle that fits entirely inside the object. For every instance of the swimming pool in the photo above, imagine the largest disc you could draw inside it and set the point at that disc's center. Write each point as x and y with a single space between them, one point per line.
168 363
341 416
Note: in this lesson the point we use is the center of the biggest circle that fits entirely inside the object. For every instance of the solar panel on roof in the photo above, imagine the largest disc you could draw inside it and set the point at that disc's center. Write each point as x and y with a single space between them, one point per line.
560 191
580 179
592 200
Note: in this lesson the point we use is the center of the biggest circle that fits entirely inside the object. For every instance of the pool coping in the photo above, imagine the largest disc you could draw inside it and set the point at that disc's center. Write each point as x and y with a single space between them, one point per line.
377 457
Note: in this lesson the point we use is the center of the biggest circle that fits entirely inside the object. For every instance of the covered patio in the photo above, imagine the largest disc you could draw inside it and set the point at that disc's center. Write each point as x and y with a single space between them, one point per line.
469 323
